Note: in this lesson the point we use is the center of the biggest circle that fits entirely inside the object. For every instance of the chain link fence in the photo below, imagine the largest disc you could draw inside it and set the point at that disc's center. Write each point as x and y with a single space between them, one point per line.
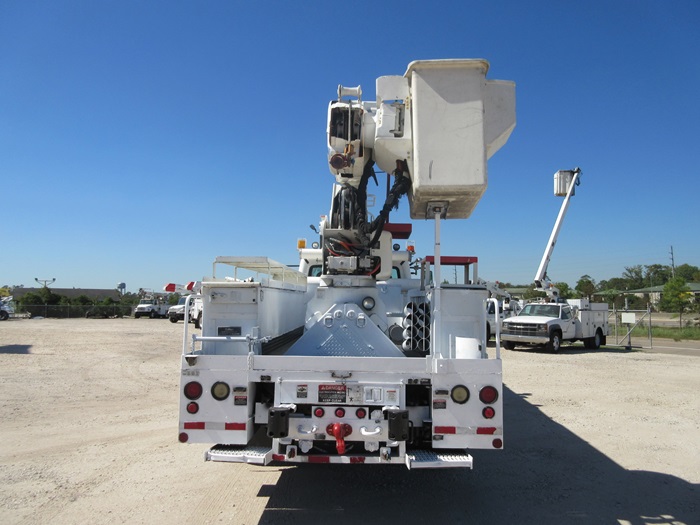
74 311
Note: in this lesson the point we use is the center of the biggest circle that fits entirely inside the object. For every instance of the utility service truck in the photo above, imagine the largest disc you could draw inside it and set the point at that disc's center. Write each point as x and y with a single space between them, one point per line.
152 305
554 321
351 358
505 305
177 311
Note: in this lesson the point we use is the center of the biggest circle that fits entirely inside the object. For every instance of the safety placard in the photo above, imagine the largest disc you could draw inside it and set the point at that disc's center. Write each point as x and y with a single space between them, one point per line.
332 393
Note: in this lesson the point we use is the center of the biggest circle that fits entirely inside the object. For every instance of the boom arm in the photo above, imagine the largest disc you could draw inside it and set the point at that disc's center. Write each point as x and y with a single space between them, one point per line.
542 282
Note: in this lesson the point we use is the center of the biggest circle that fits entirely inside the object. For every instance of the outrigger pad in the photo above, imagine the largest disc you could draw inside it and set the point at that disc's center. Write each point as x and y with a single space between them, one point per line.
278 422
398 424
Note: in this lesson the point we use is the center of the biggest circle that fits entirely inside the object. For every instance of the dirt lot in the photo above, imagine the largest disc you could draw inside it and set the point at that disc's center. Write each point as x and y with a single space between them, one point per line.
89 435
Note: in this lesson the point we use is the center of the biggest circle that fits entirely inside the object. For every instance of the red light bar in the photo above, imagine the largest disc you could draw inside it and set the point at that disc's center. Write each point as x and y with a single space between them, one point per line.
486 430
445 430
455 260
234 426
195 425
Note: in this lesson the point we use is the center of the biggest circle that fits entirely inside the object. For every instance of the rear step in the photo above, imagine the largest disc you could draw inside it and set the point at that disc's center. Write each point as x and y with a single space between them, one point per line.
414 459
239 454
432 459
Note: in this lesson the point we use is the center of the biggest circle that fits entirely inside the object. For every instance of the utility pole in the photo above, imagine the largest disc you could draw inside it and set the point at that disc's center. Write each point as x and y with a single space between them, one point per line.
673 264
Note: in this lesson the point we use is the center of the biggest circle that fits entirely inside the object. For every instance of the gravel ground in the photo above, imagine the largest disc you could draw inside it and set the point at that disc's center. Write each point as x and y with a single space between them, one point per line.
89 435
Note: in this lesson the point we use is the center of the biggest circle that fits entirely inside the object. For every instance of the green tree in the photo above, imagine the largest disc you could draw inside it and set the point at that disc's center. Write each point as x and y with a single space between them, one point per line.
82 300
688 272
565 291
634 275
585 287
656 274
676 297
531 293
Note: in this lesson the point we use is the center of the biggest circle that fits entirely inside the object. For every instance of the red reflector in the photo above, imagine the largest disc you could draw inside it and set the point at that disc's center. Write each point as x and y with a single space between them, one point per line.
319 459
339 412
192 407
486 430
361 413
278 457
497 443
445 430
183 437
195 425
234 426
488 412
319 412
357 459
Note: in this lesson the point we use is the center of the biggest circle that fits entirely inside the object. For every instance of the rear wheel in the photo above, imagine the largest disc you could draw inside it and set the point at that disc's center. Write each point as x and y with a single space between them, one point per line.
173 319
509 345
154 314
597 339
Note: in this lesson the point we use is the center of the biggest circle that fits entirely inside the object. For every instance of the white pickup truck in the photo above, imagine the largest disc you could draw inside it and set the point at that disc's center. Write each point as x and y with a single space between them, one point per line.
552 323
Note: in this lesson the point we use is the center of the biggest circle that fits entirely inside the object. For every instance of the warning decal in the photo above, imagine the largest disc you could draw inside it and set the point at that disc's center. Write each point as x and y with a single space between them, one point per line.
332 393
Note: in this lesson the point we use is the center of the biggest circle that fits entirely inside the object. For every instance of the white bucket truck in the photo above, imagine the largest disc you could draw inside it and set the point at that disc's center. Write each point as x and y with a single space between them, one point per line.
552 322
358 361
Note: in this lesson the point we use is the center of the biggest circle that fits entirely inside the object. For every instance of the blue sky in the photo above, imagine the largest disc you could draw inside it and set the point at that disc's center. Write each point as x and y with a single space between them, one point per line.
139 140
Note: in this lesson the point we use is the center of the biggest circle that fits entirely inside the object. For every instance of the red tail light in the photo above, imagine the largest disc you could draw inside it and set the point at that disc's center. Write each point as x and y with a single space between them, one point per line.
318 412
339 412
488 412
193 390
488 395
192 407
183 437
361 413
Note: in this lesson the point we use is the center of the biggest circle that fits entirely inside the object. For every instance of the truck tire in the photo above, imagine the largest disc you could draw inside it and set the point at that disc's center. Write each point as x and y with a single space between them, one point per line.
154 314
509 345
137 316
554 344
173 319
597 339
4 316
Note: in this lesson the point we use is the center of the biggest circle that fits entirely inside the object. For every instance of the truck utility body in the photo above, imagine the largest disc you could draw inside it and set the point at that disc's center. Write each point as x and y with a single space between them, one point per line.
353 357
343 393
